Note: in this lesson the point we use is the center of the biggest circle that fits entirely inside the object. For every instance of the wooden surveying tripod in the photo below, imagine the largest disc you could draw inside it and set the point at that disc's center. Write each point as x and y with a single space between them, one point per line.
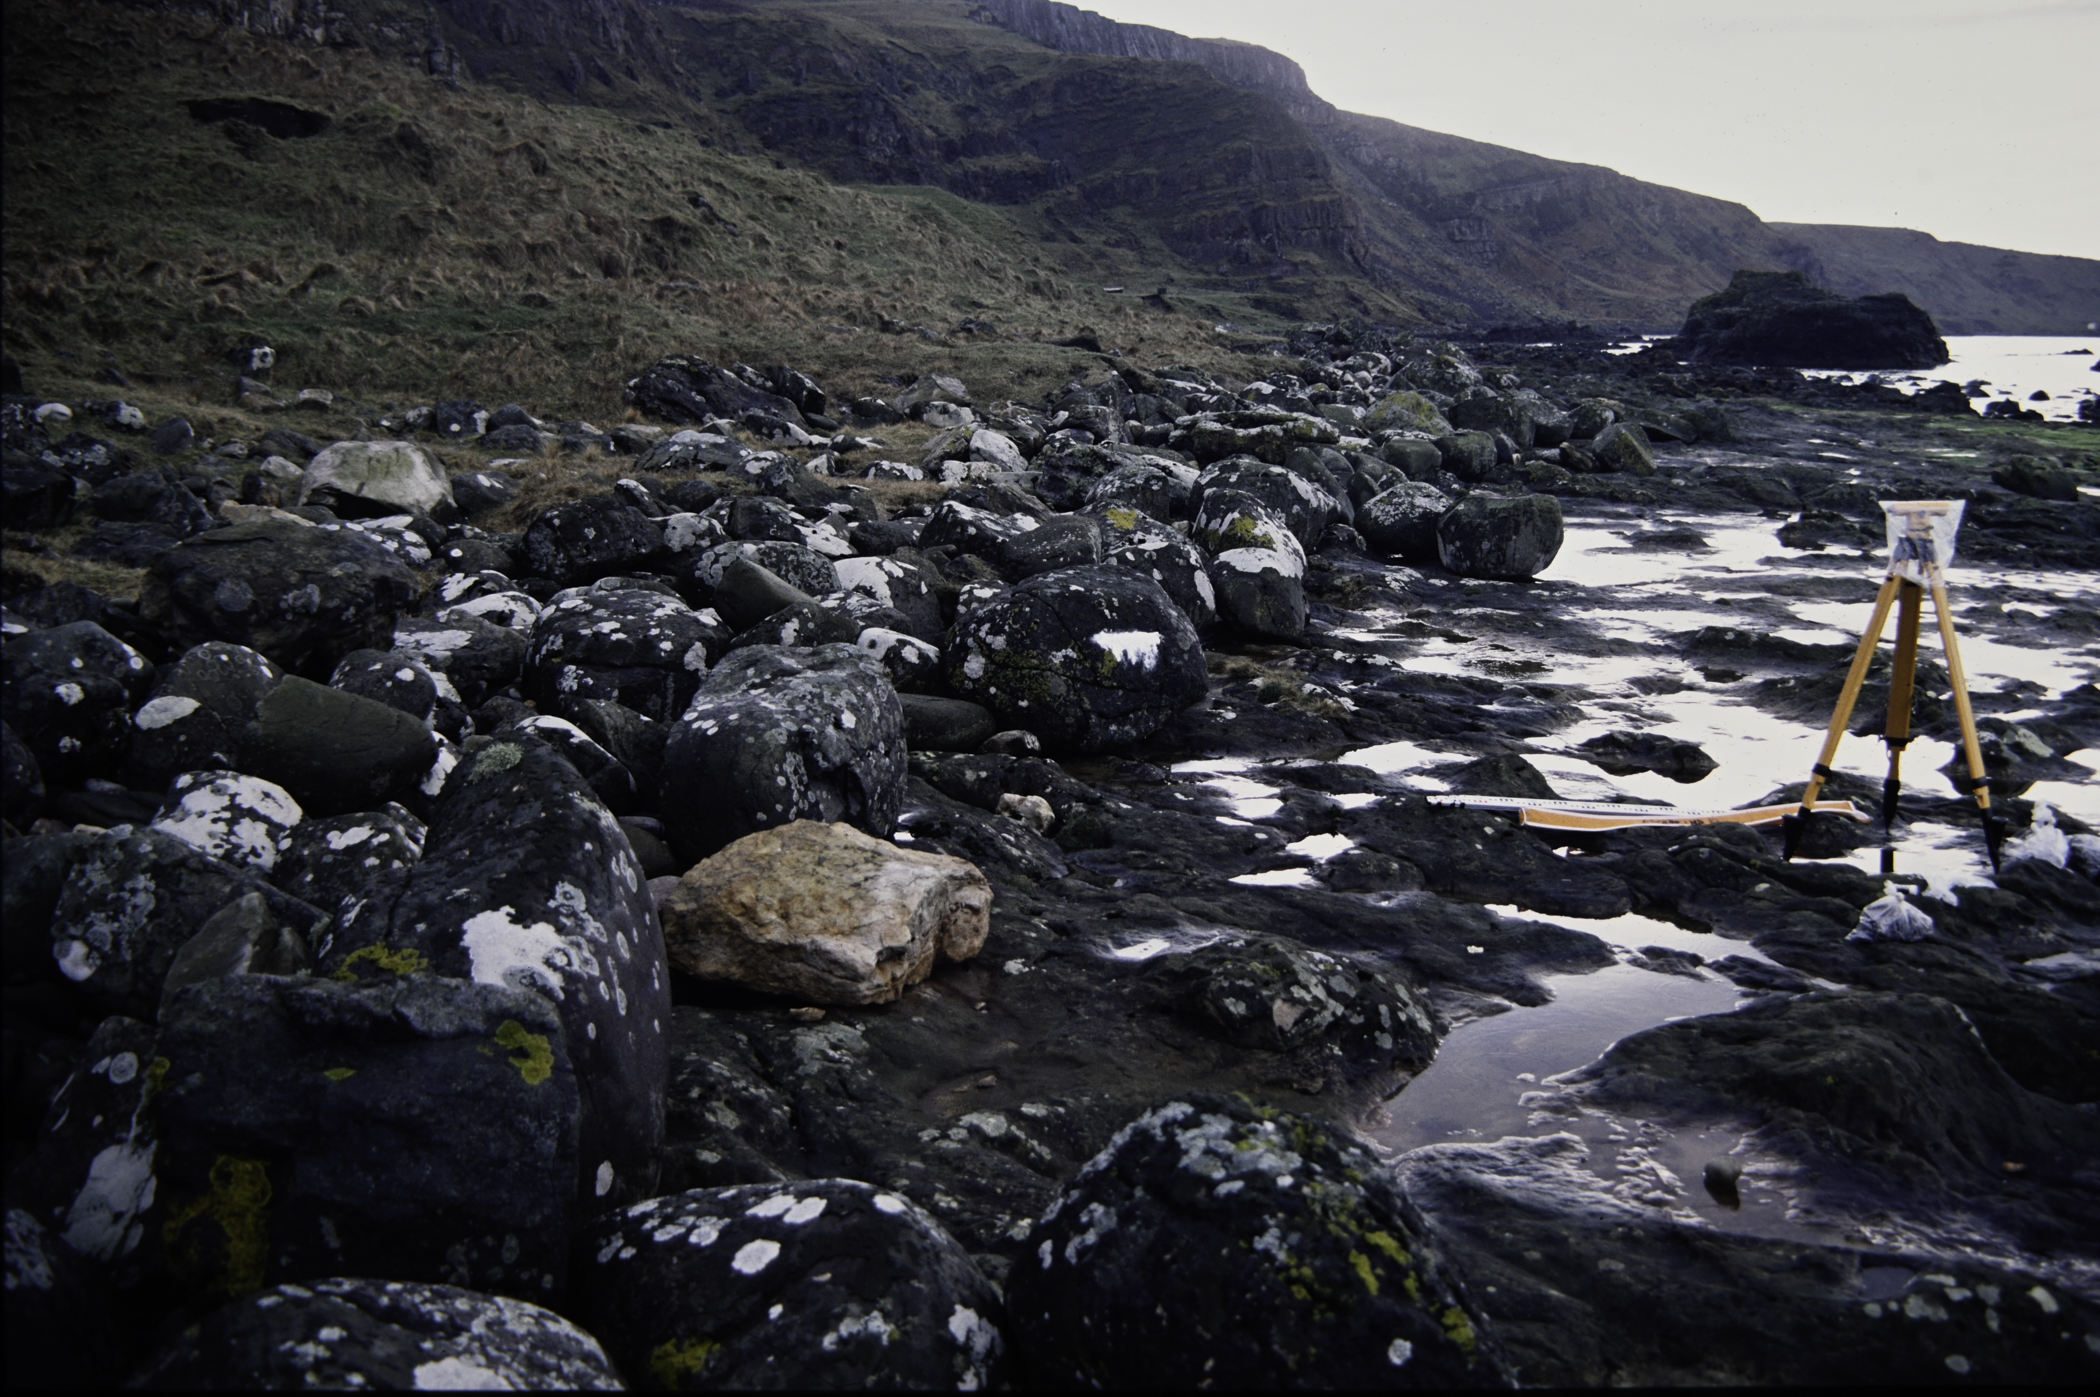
1921 544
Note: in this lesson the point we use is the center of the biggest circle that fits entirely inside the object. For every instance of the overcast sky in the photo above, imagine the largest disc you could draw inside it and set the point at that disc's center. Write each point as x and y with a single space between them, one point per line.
1970 119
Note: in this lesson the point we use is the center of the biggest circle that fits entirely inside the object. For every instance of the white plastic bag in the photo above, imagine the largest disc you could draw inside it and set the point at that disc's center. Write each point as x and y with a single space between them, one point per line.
1891 918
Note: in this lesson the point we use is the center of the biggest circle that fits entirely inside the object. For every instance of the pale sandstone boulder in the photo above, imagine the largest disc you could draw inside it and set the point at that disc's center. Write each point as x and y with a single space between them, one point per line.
824 913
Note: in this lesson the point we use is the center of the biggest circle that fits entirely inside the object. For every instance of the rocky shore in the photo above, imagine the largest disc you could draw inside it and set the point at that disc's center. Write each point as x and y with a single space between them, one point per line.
924 891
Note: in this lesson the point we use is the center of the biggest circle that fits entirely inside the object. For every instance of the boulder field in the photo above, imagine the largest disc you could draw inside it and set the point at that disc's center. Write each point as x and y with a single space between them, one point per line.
788 910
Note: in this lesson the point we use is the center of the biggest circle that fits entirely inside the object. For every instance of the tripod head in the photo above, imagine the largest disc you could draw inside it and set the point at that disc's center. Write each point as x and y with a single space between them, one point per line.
1921 537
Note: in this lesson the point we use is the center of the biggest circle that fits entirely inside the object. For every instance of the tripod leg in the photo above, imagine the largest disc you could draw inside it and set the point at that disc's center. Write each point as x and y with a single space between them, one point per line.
1910 604
1979 784
1796 824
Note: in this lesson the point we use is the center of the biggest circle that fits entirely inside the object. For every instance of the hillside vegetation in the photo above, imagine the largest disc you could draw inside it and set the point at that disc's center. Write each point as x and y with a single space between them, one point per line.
531 199
468 239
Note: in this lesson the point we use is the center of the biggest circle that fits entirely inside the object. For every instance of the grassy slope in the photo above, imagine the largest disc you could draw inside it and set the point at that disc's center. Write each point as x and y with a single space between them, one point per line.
483 242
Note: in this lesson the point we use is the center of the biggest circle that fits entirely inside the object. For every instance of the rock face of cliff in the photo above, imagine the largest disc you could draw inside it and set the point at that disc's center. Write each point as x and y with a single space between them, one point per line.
1204 162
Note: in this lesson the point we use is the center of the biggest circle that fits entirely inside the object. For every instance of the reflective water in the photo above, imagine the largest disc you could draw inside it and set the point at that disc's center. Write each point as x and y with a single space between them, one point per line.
2010 366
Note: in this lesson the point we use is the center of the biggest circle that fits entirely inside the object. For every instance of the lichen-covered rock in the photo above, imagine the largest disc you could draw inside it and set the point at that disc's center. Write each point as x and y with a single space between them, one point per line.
68 694
796 564
336 862
130 901
527 881
335 751
590 539
914 666
1623 447
969 529
642 649
1400 521
1469 456
396 678
89 1176
1407 411
241 819
604 773
903 583
414 1127
825 914
1084 657
1146 489
778 735
1297 502
199 714
379 1335
375 477
303 596
479 647
1257 567
1483 536
822 1284
1266 434
1273 995
1057 541
1493 412
1294 1260
1141 543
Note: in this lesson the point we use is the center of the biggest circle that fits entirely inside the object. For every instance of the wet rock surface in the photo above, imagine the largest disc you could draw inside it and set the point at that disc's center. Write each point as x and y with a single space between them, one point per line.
359 880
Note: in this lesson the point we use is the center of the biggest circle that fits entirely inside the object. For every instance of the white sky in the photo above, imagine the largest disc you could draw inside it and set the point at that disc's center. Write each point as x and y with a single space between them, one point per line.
1970 119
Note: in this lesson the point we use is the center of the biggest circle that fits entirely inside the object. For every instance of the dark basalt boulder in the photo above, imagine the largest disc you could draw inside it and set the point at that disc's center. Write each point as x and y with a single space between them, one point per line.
1257 567
1400 521
1084 657
131 899
89 1177
21 780
819 1284
393 677
303 596
374 1335
68 693
1783 319
341 859
1303 506
415 1128
590 539
1482 536
36 495
1295 1262
61 1326
1142 544
778 735
240 819
1274 995
638 648
199 714
527 881
680 388
335 750
478 654
1622 753
798 565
